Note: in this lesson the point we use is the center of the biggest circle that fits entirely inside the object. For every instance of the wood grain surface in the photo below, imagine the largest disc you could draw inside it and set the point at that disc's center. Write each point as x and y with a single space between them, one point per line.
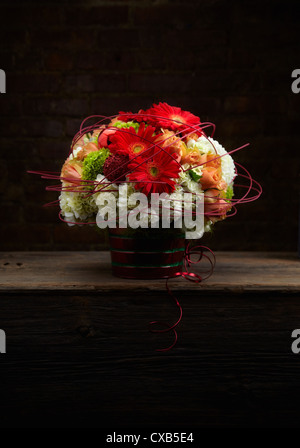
79 353
88 271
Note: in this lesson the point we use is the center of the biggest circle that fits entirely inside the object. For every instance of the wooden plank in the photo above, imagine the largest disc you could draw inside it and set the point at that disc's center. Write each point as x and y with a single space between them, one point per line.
89 361
79 352
91 271
118 324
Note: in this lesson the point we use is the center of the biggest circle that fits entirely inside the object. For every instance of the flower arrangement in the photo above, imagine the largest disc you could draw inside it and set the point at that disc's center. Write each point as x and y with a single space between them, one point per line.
160 150
164 154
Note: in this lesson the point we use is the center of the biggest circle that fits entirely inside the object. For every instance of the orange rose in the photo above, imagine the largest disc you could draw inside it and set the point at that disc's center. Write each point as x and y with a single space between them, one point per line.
215 208
210 177
193 136
194 158
213 160
174 144
88 147
222 185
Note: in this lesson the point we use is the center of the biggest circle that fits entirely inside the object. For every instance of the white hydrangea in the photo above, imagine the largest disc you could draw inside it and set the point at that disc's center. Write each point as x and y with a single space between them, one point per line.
76 206
211 146
187 182
103 185
123 198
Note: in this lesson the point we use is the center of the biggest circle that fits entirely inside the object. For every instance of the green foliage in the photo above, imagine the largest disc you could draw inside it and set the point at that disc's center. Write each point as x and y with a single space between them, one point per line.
93 164
194 176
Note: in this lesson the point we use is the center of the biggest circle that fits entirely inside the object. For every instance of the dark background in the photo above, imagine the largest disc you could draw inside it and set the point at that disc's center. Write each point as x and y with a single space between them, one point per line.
228 62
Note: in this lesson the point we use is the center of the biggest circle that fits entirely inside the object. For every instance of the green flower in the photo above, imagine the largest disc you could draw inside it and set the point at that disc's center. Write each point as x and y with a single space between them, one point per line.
229 192
125 125
93 164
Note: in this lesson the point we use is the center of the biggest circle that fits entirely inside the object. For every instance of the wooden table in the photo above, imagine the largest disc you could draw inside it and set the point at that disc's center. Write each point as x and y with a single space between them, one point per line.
79 352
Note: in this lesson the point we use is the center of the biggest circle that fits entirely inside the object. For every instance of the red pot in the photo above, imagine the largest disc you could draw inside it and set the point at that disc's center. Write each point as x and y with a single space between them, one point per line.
147 254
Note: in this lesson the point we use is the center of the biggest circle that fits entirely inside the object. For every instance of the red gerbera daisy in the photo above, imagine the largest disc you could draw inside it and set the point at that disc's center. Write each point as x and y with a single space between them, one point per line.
130 116
133 143
173 118
154 173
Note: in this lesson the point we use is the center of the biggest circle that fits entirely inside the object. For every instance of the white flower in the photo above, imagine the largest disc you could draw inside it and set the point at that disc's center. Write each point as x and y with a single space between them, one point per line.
187 182
103 185
76 206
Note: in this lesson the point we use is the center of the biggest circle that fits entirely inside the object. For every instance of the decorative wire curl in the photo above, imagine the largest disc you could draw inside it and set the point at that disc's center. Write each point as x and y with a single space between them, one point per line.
192 277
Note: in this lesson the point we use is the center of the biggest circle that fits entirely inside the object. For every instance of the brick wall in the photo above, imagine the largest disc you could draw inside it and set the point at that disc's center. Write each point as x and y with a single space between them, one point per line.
229 62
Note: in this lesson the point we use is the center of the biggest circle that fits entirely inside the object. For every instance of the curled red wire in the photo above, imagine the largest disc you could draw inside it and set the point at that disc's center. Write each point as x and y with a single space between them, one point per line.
199 251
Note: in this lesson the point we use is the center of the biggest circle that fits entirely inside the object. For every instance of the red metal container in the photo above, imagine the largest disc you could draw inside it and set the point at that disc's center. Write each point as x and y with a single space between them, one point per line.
147 253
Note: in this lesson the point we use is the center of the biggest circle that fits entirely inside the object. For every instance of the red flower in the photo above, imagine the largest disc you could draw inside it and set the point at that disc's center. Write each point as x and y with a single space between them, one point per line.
129 142
115 167
130 116
154 171
173 118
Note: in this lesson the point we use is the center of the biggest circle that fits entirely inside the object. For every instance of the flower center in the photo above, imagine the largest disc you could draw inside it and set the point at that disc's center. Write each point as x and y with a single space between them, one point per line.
153 171
137 148
177 118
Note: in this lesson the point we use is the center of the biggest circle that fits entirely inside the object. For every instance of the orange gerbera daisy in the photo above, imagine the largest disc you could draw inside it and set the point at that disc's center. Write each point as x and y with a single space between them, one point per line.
131 142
